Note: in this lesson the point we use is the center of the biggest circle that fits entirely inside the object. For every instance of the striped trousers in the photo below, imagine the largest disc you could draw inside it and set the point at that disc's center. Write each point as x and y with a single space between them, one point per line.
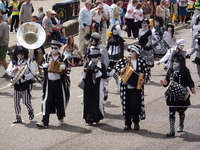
25 96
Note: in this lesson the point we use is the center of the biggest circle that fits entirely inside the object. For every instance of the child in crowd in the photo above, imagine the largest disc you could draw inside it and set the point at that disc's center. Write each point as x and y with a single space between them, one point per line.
68 54
138 16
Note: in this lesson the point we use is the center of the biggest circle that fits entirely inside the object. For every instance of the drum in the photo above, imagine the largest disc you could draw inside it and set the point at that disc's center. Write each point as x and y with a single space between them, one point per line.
178 91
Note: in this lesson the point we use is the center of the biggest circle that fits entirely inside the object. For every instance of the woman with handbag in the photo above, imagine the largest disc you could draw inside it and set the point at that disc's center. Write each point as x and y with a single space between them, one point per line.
179 73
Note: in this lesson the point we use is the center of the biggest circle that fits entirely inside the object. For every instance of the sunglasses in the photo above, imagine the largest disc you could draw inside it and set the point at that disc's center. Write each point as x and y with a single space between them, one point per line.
94 56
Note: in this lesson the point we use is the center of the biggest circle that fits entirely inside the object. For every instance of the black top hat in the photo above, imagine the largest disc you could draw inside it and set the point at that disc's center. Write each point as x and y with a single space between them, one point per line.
55 42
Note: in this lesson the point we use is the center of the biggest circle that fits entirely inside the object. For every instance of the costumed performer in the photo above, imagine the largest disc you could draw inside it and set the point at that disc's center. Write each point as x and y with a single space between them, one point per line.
133 99
55 86
180 74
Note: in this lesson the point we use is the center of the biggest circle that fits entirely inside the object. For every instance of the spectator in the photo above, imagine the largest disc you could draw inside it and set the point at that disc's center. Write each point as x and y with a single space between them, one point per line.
114 14
106 8
58 23
3 10
147 9
84 20
196 12
130 19
47 24
68 56
4 40
122 19
97 18
40 15
161 11
26 11
182 11
138 16
15 15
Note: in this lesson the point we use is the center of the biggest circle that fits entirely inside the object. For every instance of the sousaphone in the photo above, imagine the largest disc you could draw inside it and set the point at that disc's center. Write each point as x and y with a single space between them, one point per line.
30 35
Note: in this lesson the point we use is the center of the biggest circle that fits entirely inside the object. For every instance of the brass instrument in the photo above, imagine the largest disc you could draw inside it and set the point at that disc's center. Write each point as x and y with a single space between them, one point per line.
30 35
54 66
131 77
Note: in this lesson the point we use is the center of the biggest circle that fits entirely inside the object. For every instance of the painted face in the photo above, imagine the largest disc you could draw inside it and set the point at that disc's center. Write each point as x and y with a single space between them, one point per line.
92 41
169 28
94 60
144 25
20 56
115 32
181 47
157 23
132 53
176 65
54 49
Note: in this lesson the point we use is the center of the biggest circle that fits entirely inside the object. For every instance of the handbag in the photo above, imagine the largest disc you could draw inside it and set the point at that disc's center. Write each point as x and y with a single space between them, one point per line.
178 91
81 84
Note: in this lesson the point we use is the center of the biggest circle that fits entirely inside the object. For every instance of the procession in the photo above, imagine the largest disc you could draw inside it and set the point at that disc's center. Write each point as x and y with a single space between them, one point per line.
105 79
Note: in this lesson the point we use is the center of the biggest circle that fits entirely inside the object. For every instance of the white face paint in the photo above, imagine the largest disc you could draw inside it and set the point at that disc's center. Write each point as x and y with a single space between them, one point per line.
157 23
169 28
54 49
144 25
132 53
176 65
94 60
181 47
115 32
20 56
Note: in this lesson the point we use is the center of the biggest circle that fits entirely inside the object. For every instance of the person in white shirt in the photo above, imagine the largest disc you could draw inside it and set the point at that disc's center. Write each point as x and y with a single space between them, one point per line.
138 16
55 86
130 19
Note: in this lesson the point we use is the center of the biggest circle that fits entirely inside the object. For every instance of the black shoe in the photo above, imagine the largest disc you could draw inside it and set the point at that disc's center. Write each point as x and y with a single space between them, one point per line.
89 124
105 97
136 127
41 125
18 120
31 114
199 85
127 128
170 134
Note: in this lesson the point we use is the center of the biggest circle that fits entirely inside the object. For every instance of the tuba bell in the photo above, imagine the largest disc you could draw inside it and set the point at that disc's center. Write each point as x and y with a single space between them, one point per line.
31 36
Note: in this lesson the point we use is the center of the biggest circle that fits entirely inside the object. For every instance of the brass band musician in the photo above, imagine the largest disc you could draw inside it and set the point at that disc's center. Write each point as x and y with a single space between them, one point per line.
23 85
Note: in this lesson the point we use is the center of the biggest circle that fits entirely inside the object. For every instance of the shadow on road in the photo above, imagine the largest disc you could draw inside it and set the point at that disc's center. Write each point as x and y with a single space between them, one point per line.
66 127
190 137
113 116
6 94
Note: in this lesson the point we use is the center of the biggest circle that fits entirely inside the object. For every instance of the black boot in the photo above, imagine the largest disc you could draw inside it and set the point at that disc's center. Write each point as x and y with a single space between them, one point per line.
31 114
171 132
180 128
18 119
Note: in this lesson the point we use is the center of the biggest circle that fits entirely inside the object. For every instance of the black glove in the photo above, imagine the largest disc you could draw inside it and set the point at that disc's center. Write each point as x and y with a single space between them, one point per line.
188 56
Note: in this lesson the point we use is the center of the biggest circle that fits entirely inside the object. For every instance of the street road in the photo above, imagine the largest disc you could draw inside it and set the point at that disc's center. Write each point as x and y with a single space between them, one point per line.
109 134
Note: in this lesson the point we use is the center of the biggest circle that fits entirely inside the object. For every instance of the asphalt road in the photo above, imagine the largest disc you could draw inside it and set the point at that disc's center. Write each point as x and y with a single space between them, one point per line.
109 134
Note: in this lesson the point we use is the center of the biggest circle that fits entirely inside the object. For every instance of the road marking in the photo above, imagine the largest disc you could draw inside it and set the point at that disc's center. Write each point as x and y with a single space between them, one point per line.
38 114
8 85
80 96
